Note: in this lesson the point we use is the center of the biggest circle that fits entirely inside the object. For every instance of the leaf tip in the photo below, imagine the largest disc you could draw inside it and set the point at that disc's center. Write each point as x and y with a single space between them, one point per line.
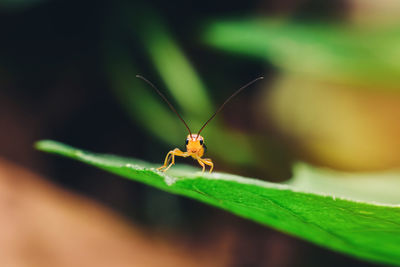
52 146
42 145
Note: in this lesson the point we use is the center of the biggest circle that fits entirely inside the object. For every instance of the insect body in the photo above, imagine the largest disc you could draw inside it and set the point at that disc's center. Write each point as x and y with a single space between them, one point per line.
195 146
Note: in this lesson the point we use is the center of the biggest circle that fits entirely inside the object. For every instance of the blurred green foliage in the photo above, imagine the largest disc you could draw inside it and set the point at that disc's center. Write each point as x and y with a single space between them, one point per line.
175 69
19 4
140 103
332 52
185 88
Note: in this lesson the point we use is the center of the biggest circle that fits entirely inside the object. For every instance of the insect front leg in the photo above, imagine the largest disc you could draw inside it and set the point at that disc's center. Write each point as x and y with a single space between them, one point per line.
172 154
165 161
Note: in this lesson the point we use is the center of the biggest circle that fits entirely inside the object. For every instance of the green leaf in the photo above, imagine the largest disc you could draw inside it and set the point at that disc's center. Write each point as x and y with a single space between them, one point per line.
362 229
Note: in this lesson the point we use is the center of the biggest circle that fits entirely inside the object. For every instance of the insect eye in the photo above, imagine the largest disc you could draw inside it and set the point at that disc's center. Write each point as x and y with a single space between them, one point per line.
187 142
201 142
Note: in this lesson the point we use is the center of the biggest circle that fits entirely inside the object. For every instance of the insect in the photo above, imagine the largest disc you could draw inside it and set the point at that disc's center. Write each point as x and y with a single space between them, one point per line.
195 146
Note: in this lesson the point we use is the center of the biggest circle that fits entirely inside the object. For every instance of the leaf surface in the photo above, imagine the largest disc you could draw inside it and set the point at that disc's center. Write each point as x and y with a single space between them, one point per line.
362 229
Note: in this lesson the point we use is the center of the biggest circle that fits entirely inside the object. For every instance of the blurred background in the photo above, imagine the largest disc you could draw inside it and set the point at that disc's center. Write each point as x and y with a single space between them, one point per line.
330 97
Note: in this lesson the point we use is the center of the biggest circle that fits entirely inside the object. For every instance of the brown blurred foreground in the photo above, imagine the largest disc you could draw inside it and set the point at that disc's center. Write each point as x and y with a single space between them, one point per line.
42 225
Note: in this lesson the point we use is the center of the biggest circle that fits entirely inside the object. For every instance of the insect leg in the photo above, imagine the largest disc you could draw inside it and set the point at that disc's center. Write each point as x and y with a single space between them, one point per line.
173 153
172 161
165 161
201 164
209 163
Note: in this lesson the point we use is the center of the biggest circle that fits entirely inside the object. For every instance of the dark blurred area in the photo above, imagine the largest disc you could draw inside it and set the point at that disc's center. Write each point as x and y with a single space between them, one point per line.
67 73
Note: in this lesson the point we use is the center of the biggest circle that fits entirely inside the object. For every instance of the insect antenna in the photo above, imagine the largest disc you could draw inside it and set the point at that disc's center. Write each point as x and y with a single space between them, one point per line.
166 100
226 101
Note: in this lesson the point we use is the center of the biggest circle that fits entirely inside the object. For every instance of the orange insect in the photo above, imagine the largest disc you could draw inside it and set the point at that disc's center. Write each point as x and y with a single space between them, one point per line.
195 146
